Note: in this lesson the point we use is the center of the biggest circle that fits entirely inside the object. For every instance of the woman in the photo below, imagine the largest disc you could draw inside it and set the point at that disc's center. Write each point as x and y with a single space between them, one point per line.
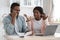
37 24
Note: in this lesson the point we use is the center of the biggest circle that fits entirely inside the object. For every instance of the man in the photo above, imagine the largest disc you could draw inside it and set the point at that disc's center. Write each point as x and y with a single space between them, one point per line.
13 23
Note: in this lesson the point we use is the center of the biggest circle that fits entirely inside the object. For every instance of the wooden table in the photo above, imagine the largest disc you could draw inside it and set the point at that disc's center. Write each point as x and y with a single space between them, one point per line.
32 38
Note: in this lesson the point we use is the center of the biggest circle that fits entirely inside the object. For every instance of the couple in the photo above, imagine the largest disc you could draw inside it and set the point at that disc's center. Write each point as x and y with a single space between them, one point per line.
15 24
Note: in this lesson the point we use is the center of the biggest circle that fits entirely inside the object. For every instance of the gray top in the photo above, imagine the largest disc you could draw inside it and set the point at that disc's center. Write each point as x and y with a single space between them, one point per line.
10 28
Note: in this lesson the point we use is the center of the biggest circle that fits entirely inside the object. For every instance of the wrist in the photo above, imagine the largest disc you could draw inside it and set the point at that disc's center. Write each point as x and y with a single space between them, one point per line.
13 21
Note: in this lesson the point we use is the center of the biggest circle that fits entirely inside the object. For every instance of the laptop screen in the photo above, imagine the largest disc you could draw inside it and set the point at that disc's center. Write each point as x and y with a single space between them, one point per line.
50 30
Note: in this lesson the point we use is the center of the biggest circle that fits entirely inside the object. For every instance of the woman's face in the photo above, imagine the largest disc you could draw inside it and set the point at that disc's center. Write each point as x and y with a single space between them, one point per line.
37 15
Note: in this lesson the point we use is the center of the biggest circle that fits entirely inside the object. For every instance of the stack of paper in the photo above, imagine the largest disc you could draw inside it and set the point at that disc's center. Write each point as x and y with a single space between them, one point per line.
57 34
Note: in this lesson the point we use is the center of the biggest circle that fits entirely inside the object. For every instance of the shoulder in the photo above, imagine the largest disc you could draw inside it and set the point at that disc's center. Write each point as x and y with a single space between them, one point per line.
7 19
21 17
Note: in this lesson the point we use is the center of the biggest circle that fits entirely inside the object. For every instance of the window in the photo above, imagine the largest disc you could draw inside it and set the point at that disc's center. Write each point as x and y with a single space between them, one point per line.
56 12
26 6
30 3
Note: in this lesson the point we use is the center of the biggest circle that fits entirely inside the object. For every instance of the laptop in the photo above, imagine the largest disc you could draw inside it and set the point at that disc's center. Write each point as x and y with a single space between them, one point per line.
50 30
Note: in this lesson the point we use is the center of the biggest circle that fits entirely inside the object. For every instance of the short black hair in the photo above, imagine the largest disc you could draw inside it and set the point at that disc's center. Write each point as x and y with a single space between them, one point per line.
40 9
13 5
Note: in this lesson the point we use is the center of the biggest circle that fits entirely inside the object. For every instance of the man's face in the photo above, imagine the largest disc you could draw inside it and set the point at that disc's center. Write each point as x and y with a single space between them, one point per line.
16 10
37 14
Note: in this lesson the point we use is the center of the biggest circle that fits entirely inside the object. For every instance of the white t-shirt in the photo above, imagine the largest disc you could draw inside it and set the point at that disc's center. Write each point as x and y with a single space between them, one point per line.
36 26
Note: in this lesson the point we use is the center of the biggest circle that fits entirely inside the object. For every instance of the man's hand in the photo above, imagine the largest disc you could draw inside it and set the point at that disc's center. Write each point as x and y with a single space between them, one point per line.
13 15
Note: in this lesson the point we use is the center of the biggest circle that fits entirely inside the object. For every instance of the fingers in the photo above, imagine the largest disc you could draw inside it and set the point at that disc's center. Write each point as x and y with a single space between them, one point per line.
13 15
25 15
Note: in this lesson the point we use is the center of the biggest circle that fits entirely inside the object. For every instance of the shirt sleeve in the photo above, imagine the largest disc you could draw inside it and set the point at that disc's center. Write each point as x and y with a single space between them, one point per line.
9 28
17 29
25 28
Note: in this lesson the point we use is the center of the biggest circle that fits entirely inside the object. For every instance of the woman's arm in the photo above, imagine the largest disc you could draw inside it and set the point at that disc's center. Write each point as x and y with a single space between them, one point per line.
43 27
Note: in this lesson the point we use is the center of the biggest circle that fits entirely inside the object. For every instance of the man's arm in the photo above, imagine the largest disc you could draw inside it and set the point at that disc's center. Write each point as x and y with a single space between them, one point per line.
8 26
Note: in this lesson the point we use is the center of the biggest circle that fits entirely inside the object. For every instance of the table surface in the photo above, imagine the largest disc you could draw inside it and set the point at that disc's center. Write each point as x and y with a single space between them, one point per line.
32 38
25 38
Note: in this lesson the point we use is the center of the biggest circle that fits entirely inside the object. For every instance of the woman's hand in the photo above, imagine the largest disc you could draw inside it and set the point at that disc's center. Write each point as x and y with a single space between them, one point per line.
44 16
28 19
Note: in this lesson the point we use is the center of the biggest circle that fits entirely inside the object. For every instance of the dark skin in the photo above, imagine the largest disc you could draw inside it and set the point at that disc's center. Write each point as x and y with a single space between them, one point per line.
14 14
44 16
38 16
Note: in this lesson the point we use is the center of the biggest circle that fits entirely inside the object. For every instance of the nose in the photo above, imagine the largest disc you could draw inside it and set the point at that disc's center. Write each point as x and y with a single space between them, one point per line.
36 14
